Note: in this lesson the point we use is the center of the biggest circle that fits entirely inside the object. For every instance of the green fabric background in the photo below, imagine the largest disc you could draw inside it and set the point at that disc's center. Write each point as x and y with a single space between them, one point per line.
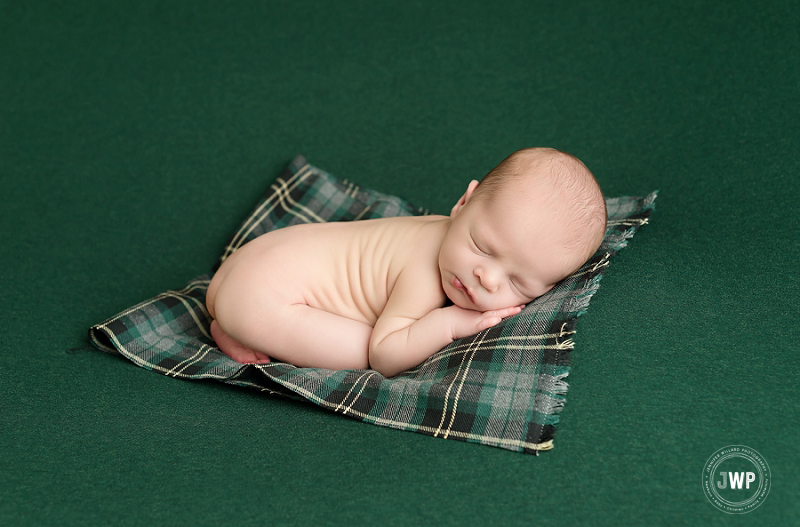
135 138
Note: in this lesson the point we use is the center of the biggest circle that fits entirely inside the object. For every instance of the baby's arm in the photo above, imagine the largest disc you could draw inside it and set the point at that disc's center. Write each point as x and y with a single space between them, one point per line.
412 327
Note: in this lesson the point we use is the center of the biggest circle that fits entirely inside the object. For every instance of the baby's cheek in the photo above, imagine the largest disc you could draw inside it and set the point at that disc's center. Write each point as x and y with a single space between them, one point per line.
513 300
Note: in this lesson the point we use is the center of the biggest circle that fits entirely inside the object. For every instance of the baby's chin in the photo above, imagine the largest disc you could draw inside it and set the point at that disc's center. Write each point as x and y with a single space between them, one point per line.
459 301
465 304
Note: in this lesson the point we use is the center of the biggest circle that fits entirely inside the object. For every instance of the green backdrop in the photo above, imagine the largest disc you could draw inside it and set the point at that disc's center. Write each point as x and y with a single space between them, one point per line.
135 136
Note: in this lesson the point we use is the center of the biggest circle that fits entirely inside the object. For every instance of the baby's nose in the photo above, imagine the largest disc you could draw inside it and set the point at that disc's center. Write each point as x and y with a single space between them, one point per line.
487 279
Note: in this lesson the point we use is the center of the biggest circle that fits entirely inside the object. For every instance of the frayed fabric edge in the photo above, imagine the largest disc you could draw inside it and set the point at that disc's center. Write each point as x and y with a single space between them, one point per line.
578 305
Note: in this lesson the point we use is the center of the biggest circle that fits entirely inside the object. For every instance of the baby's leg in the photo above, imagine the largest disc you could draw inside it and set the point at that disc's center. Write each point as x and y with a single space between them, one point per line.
234 349
313 338
296 334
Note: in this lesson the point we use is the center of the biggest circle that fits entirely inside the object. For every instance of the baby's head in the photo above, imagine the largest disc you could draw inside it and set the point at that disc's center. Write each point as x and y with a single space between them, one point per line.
532 221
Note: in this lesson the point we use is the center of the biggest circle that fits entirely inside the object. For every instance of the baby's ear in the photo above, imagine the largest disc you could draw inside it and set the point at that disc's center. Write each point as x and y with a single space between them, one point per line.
464 199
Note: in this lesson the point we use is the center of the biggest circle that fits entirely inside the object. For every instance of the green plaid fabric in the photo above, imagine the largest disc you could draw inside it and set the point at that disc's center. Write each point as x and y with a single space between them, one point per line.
503 387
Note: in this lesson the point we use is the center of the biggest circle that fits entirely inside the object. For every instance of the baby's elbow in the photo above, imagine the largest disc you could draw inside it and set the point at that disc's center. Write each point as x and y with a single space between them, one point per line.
375 357
380 360
386 370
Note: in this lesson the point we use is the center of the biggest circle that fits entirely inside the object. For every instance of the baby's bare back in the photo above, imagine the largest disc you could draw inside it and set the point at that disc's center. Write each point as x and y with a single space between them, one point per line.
345 268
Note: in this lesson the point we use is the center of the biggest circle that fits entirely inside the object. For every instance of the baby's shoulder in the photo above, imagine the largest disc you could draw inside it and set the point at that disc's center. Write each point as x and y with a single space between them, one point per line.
416 231
420 261
418 288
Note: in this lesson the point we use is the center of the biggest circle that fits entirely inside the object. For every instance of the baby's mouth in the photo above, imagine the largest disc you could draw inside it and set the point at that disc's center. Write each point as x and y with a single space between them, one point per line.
461 287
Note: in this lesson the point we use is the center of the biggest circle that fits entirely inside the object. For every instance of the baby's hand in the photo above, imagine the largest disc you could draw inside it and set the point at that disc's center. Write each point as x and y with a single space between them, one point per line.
465 322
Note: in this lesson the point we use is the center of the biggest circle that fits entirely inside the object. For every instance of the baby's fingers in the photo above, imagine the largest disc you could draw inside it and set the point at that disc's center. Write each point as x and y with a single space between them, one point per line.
492 318
507 312
487 322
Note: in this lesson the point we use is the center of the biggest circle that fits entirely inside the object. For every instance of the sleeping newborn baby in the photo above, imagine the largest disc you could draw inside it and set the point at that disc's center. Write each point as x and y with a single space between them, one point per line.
372 293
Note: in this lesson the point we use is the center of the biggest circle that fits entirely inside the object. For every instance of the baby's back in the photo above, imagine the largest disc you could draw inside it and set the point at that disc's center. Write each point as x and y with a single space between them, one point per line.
345 268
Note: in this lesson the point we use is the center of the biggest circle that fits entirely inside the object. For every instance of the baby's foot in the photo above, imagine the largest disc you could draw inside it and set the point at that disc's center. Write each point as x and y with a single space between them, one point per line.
234 349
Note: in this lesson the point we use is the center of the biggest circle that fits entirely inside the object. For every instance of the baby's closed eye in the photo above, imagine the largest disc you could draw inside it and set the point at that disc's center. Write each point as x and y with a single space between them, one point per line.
478 248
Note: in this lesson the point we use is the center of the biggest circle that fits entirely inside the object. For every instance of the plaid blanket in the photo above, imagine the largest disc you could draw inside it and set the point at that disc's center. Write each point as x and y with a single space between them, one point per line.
503 387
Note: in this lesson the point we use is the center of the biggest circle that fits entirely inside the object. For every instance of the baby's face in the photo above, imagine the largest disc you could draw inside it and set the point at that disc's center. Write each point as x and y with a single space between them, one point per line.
502 252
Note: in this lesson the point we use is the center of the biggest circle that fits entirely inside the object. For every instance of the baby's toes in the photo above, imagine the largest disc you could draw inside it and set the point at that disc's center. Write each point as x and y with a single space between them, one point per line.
259 358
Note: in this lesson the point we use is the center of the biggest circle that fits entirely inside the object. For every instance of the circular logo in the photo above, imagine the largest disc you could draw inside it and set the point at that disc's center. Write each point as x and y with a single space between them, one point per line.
736 479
